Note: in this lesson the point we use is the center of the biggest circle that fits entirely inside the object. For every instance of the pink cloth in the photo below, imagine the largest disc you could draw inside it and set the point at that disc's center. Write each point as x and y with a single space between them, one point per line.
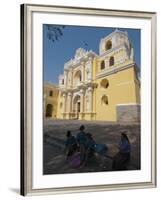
74 160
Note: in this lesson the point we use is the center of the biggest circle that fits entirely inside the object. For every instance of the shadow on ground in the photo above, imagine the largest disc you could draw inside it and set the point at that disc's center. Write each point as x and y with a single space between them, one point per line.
54 160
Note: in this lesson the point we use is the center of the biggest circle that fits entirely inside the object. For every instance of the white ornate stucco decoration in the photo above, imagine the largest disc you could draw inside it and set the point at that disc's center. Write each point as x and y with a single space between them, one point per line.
89 70
117 38
80 53
132 53
61 80
87 103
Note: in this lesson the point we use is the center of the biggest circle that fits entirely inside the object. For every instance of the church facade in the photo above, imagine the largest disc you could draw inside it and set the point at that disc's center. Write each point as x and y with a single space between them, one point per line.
101 87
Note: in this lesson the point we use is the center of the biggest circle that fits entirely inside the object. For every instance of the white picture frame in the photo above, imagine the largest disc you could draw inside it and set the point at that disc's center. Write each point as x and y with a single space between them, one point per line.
32 180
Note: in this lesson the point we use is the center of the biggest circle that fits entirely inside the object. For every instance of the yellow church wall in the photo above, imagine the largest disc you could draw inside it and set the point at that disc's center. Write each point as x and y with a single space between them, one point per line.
124 91
137 89
51 99
121 90
104 112
59 109
94 68
94 100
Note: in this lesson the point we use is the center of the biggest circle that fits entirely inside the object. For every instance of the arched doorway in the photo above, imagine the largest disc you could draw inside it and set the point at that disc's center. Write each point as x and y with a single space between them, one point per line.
76 106
49 110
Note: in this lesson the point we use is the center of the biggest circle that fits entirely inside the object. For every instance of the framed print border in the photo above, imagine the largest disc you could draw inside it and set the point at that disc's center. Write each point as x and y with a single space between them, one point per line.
27 11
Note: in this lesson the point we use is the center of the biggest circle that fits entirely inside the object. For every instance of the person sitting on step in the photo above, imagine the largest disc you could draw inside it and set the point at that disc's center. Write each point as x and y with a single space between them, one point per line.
70 144
121 159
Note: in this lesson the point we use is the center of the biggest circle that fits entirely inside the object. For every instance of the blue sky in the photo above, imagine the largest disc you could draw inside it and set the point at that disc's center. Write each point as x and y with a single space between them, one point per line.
55 54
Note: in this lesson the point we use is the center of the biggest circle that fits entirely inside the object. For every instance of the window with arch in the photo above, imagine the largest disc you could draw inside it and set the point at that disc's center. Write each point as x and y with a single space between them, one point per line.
108 45
78 77
104 100
102 64
62 81
50 93
104 83
111 61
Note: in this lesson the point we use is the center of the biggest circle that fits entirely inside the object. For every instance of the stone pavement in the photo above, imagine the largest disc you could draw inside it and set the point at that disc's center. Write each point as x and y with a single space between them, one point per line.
54 160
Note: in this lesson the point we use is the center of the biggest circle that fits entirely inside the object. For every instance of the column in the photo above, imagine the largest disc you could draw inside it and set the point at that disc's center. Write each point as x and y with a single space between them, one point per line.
116 57
64 103
82 63
124 54
106 62
90 93
69 102
132 54
72 79
90 68
82 100
121 56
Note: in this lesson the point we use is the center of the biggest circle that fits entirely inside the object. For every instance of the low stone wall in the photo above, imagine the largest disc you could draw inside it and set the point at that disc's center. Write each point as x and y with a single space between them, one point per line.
128 113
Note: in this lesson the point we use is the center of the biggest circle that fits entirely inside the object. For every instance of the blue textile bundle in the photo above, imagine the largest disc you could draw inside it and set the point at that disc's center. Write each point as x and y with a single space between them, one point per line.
101 149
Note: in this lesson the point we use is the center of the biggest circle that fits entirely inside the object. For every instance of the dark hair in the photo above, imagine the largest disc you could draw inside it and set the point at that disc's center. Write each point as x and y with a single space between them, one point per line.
81 128
123 134
68 133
